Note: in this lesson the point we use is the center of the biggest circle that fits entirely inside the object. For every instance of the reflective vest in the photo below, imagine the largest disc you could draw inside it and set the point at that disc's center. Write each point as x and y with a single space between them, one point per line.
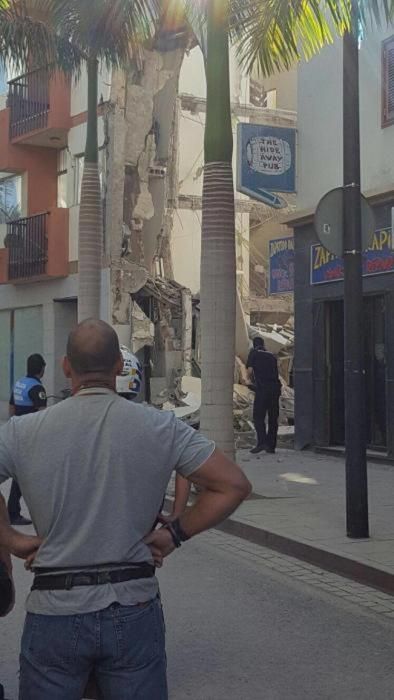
21 390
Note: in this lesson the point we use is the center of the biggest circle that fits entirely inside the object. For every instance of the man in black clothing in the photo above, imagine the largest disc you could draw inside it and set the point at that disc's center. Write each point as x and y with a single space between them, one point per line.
7 591
28 396
263 367
19 545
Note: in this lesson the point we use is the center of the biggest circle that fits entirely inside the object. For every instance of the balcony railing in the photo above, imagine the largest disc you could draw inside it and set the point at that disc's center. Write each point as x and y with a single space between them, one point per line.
28 100
27 244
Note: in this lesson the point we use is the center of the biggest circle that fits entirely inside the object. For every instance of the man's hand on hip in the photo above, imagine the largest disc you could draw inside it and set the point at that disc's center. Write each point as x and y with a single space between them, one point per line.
23 546
14 542
224 487
160 544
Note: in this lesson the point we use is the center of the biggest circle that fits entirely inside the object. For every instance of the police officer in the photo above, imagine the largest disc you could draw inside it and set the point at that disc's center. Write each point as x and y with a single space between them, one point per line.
128 384
28 396
263 367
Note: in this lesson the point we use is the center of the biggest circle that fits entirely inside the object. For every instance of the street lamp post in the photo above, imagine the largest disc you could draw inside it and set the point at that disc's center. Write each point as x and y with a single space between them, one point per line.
355 400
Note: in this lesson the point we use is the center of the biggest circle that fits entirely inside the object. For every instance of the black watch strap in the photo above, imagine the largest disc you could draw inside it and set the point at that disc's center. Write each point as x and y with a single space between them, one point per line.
181 534
169 526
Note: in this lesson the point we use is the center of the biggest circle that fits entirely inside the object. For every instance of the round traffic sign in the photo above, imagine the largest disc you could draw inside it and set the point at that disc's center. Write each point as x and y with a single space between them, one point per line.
329 222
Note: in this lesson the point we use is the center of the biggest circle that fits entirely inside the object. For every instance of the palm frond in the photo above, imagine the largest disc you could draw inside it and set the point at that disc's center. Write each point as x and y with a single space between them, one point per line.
64 32
274 34
111 30
28 36
196 15
376 12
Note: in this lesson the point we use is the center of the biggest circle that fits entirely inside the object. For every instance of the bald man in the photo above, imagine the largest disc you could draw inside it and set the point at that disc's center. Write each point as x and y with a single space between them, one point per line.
93 471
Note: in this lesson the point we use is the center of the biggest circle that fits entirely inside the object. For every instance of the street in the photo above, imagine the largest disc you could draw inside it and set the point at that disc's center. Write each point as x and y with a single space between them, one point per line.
245 623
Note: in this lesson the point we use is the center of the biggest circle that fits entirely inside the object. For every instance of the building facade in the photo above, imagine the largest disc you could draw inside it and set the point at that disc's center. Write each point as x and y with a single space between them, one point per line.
151 134
319 324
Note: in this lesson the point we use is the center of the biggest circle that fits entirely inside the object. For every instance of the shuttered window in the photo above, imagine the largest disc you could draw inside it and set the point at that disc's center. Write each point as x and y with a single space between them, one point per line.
388 82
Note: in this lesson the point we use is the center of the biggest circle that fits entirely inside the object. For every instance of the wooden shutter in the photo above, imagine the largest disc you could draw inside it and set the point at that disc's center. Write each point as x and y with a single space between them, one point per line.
388 82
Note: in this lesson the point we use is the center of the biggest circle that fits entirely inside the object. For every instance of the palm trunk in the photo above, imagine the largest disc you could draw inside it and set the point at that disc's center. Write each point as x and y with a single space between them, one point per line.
218 275
90 212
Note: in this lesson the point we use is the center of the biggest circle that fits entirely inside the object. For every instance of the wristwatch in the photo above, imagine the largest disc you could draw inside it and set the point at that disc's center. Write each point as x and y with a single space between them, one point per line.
177 533
180 531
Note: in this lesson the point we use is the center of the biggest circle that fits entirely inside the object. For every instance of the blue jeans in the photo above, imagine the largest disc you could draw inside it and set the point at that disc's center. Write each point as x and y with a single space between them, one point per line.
123 646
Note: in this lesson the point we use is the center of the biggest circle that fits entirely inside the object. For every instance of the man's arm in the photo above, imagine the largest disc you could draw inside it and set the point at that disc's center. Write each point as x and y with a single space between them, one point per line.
224 485
7 601
10 539
224 488
14 542
37 395
182 492
249 365
277 375
4 553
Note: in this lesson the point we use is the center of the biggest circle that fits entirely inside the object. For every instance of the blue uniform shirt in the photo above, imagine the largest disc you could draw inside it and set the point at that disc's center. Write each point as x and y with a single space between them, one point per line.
28 396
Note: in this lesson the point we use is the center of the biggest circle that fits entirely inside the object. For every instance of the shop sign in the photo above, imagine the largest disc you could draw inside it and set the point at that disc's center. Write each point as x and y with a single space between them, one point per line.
377 260
281 261
266 162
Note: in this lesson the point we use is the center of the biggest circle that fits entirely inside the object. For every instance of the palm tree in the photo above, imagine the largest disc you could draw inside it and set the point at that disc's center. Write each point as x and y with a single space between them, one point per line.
109 31
273 35
64 34
218 272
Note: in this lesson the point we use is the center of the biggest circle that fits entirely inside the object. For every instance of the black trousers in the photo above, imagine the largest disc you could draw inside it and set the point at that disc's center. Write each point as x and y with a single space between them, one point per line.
14 500
266 402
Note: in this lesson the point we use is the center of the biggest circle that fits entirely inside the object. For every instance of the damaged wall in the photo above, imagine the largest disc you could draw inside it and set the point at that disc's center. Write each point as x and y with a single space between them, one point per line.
141 129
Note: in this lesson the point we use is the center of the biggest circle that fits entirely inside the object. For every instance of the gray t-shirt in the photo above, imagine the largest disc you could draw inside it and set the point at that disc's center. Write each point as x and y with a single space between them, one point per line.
93 471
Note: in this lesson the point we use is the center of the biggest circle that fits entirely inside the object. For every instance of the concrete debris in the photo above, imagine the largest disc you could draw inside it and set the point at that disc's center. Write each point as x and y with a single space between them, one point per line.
143 328
184 396
240 374
185 402
277 338
165 291
286 404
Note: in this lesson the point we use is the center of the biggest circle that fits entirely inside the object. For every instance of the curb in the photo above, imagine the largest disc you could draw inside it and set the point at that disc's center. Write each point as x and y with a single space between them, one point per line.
335 563
374 457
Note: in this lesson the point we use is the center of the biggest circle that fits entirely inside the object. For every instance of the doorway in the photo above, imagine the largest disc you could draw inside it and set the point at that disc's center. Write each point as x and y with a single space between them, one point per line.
66 318
375 371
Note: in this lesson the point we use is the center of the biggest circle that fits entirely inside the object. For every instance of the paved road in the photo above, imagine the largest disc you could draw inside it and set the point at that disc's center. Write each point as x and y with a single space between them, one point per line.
245 623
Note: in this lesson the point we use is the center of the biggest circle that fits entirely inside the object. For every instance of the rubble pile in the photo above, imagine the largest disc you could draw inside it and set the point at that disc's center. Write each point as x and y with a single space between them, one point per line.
184 398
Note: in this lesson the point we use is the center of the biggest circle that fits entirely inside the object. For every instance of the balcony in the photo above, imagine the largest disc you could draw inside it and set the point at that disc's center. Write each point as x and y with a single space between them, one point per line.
36 248
39 106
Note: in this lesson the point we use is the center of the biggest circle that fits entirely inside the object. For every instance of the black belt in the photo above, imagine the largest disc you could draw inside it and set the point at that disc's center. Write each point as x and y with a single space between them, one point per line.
64 582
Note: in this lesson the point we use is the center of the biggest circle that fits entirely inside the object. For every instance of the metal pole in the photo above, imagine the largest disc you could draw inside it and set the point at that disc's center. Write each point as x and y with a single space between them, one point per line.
355 398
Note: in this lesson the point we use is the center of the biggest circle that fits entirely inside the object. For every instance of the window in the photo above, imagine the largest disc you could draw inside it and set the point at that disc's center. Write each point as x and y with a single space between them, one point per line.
388 82
270 99
10 198
78 173
62 179
259 97
256 93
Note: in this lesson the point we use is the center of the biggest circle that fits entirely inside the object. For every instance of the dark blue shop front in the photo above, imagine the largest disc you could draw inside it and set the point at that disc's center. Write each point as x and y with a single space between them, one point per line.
319 338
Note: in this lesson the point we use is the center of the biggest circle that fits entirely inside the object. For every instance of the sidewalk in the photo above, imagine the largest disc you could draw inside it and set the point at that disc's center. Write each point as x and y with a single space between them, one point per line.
298 507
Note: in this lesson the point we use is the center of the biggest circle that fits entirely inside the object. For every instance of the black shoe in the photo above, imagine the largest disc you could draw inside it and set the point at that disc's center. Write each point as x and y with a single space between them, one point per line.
19 520
270 450
256 450
2 696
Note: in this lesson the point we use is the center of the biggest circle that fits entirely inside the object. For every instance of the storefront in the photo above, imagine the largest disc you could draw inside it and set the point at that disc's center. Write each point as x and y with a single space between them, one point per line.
319 338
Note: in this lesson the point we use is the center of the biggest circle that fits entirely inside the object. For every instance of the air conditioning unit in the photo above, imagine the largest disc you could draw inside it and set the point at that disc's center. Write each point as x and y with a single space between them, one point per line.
157 171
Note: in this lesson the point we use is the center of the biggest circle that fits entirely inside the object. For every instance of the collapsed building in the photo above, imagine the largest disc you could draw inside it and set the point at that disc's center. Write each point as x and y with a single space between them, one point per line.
150 129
